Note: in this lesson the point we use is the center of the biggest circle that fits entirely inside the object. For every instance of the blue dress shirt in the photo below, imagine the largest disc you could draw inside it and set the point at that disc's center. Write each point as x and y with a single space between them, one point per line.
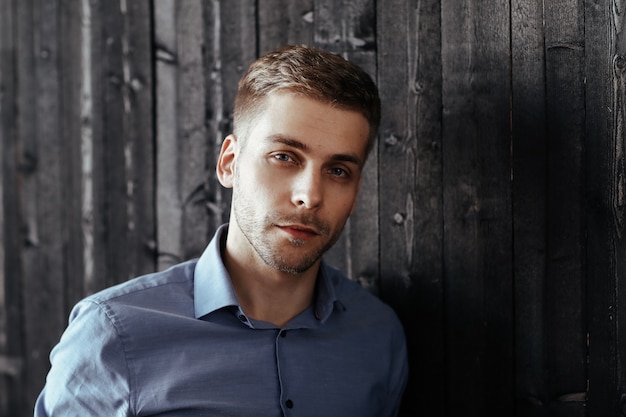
177 343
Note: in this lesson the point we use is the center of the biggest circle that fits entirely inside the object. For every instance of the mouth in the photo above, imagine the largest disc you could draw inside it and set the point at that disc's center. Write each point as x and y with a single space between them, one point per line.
298 231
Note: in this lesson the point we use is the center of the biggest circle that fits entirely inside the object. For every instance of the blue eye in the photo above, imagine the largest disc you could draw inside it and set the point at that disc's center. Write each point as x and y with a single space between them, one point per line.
338 172
283 157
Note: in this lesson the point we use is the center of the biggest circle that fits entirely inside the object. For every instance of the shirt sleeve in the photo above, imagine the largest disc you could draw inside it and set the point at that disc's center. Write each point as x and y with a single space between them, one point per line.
399 373
89 374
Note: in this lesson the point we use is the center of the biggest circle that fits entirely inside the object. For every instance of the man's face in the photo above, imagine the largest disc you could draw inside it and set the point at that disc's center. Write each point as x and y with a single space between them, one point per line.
295 180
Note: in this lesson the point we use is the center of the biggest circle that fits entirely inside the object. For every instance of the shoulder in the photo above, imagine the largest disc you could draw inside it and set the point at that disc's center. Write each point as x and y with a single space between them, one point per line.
357 301
168 291
351 293
178 276
366 320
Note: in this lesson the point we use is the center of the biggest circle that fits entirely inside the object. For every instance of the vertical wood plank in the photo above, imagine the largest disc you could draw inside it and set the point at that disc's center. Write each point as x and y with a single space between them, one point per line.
128 133
75 133
238 28
410 172
119 252
230 48
345 26
81 126
168 160
530 151
11 344
182 168
565 322
477 207
192 130
88 128
6 66
43 196
348 29
605 93
218 198
138 81
285 22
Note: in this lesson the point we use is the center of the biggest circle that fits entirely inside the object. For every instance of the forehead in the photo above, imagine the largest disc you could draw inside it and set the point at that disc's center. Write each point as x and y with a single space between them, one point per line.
320 126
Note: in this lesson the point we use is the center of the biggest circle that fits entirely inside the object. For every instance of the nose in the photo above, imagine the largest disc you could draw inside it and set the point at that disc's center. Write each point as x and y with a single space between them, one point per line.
307 189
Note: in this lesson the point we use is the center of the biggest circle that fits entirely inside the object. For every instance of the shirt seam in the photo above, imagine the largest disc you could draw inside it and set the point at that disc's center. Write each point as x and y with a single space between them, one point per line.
99 299
106 309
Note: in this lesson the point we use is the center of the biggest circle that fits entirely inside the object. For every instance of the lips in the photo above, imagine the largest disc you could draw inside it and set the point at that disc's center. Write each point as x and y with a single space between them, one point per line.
298 231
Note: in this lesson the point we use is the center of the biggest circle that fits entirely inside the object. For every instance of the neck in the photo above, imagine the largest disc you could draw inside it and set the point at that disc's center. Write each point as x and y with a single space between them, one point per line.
268 294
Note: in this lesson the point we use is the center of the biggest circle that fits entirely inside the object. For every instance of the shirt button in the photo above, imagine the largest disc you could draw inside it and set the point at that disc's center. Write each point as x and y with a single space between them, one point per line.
289 404
243 318
283 333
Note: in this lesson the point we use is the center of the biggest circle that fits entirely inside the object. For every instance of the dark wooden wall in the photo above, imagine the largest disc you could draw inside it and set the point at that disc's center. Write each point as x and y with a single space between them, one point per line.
492 213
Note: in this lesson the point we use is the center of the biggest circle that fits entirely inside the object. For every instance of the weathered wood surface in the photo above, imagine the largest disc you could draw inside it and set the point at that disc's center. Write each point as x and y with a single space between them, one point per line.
565 284
529 202
411 197
603 144
477 207
492 211
285 22
127 132
42 194
182 227
11 345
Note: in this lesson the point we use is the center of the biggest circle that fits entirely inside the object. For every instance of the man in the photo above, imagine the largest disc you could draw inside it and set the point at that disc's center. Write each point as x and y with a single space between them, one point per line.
258 325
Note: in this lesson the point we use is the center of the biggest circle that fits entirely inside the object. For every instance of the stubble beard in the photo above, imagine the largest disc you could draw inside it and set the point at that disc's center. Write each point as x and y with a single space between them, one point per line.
258 234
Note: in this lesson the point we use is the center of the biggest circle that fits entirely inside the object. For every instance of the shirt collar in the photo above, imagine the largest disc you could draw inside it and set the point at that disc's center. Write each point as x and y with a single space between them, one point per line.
213 289
325 293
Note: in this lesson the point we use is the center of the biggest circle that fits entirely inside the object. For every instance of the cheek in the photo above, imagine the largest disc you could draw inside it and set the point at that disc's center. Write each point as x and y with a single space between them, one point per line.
345 203
259 185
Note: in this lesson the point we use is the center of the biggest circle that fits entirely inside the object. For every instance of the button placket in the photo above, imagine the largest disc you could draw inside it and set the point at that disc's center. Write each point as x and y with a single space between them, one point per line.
286 403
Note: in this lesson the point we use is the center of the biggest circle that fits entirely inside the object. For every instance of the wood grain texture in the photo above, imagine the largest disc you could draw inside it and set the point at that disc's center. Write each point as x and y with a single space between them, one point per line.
192 130
44 263
565 321
11 342
169 202
410 172
88 133
530 157
477 207
230 48
128 131
6 63
182 147
217 114
603 138
285 22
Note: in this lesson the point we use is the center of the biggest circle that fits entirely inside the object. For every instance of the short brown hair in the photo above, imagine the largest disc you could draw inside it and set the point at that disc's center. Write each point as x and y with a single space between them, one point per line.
314 73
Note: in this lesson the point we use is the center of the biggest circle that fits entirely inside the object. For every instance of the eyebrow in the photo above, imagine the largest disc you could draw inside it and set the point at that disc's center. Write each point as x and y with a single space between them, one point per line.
286 140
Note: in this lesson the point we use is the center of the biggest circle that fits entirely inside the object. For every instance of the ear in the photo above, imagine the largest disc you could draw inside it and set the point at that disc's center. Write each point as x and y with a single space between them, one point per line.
225 168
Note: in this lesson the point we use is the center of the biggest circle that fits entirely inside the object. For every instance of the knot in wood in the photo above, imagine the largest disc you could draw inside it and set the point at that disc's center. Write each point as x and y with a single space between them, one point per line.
308 17
417 88
136 84
391 140
619 62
